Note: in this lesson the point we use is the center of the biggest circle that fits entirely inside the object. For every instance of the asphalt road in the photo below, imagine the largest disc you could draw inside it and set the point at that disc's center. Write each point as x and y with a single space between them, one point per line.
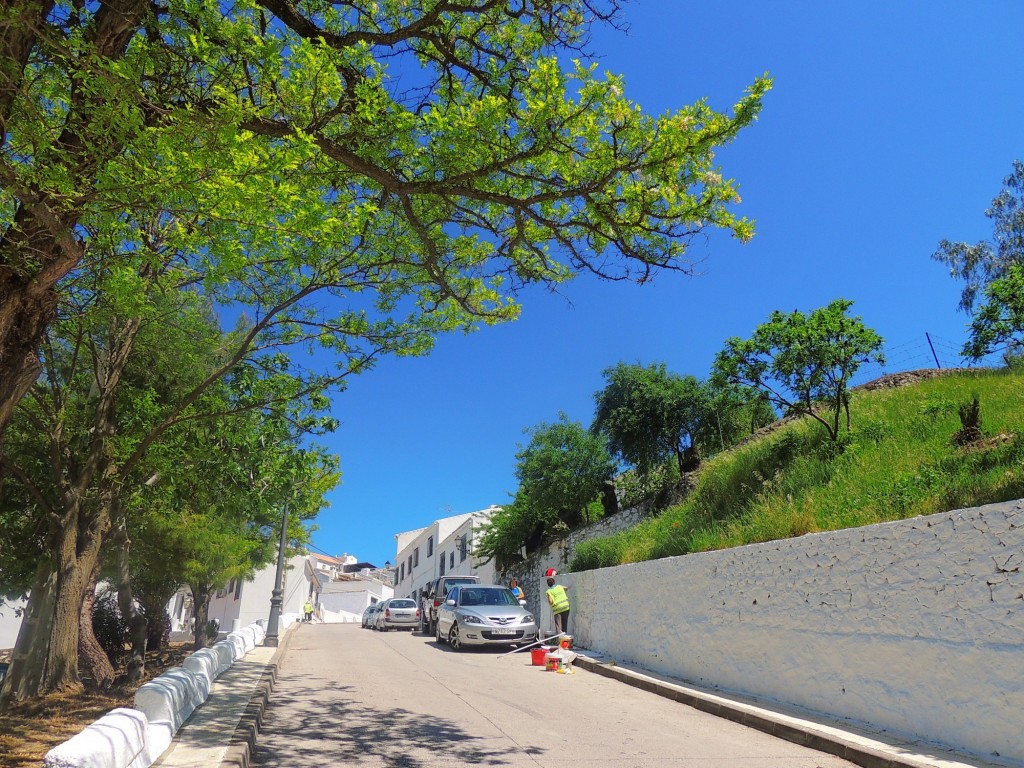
351 696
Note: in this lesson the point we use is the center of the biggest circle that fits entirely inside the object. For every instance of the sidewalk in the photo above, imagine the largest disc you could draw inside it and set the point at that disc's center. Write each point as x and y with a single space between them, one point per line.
222 730
862 747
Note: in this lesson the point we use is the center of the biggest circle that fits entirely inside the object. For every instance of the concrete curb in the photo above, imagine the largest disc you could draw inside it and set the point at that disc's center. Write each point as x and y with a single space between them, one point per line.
243 739
831 740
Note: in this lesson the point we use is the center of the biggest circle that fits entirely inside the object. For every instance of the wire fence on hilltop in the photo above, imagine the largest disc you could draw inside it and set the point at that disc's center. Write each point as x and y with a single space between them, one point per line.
926 351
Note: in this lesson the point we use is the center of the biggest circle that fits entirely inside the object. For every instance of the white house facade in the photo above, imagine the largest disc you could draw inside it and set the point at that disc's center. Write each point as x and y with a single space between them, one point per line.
446 546
249 601
347 587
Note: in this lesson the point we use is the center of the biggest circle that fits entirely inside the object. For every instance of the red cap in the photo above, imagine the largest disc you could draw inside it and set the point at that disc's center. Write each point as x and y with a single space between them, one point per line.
550 572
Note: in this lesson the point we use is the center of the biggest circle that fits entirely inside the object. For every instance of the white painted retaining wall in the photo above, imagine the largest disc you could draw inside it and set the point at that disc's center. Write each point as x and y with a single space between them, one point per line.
914 626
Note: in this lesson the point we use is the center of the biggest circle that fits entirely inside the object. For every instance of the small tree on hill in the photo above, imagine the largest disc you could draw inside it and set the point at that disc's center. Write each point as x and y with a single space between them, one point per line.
800 362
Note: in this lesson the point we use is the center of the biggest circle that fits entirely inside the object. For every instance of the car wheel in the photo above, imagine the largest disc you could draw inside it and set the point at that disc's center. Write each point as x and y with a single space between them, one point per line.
437 633
454 639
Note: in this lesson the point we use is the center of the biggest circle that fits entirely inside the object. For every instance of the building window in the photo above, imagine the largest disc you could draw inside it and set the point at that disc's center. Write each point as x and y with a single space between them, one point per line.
430 546
452 563
441 557
401 572
410 564
463 548
416 557
238 590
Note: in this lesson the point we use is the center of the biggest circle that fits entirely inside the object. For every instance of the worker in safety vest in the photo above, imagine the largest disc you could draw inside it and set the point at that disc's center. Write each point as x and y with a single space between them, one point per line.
559 602
308 608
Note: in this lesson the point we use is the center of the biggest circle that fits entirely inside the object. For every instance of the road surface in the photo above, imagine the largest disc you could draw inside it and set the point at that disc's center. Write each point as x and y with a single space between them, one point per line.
351 696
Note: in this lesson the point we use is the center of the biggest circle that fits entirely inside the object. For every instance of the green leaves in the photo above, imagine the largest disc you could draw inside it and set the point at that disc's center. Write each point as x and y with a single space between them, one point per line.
979 264
802 362
1000 319
561 472
649 414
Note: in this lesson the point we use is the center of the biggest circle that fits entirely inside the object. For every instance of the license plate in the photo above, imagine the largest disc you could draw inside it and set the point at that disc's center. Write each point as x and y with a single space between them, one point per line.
503 631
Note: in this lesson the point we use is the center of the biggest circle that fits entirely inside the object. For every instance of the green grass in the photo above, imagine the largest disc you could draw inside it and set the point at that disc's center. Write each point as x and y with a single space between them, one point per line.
898 461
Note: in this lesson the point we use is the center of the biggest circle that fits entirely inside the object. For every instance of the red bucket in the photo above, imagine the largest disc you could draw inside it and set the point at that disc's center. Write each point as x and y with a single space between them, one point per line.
537 655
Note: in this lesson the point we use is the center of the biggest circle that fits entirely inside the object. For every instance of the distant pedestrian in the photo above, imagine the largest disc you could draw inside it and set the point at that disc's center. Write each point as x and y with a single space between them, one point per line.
559 602
308 609
516 589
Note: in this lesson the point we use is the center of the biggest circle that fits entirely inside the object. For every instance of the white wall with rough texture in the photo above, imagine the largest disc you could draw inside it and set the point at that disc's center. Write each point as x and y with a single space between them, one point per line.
914 626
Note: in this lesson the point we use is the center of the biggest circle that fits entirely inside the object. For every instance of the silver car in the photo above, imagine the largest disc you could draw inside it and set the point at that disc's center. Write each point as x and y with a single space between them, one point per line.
483 614
397 613
370 616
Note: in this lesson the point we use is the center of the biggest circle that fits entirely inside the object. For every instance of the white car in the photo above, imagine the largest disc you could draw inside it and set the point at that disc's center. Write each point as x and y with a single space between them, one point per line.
483 614
397 613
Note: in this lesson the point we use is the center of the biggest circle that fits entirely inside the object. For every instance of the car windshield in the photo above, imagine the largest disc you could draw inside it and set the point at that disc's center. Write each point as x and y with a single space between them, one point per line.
402 604
485 596
447 584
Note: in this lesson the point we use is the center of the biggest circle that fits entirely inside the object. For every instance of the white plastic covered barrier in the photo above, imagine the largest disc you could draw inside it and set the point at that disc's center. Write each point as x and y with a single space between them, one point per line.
206 666
225 655
167 702
120 738
135 738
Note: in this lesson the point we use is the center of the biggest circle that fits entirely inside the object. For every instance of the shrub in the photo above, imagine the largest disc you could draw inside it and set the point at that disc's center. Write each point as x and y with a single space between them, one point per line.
596 553
110 627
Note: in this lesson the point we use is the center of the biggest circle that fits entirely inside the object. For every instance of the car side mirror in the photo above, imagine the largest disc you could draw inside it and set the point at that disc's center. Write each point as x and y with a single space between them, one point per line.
522 603
449 602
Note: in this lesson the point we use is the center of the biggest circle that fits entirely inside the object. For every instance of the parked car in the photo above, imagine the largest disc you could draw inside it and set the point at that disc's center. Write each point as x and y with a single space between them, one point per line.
483 614
434 595
398 613
370 615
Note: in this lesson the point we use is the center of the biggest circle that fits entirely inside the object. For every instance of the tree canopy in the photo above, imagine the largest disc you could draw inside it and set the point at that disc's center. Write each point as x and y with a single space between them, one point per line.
1000 318
803 362
561 472
649 414
994 269
981 263
384 169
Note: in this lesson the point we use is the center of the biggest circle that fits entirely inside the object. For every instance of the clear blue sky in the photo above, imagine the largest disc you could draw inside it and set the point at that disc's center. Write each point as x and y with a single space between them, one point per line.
890 127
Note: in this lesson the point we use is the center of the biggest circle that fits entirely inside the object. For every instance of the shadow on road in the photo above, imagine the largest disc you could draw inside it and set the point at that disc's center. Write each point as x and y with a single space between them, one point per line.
301 728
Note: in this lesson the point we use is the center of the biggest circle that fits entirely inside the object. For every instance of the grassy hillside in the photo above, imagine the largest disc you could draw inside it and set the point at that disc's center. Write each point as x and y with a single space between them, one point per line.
897 462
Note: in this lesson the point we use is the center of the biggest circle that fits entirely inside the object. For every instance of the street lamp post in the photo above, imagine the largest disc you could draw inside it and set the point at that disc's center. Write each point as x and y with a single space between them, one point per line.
274 621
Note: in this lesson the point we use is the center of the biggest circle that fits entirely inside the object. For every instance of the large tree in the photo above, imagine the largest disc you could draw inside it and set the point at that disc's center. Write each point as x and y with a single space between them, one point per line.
980 263
418 158
995 269
803 363
128 375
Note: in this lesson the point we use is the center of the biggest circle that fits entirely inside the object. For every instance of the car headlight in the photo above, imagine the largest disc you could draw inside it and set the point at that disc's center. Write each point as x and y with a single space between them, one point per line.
472 620
527 619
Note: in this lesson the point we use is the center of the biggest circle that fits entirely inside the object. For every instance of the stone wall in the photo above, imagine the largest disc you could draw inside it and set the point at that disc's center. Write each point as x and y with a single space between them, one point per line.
914 627
559 554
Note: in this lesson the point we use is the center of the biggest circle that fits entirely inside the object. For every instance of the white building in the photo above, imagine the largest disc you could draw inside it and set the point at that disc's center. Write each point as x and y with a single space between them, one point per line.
249 601
347 587
10 622
443 547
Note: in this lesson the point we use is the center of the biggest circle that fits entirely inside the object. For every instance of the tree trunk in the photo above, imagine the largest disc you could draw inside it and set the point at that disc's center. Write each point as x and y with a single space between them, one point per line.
24 317
73 575
159 630
138 627
92 659
201 612
30 647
